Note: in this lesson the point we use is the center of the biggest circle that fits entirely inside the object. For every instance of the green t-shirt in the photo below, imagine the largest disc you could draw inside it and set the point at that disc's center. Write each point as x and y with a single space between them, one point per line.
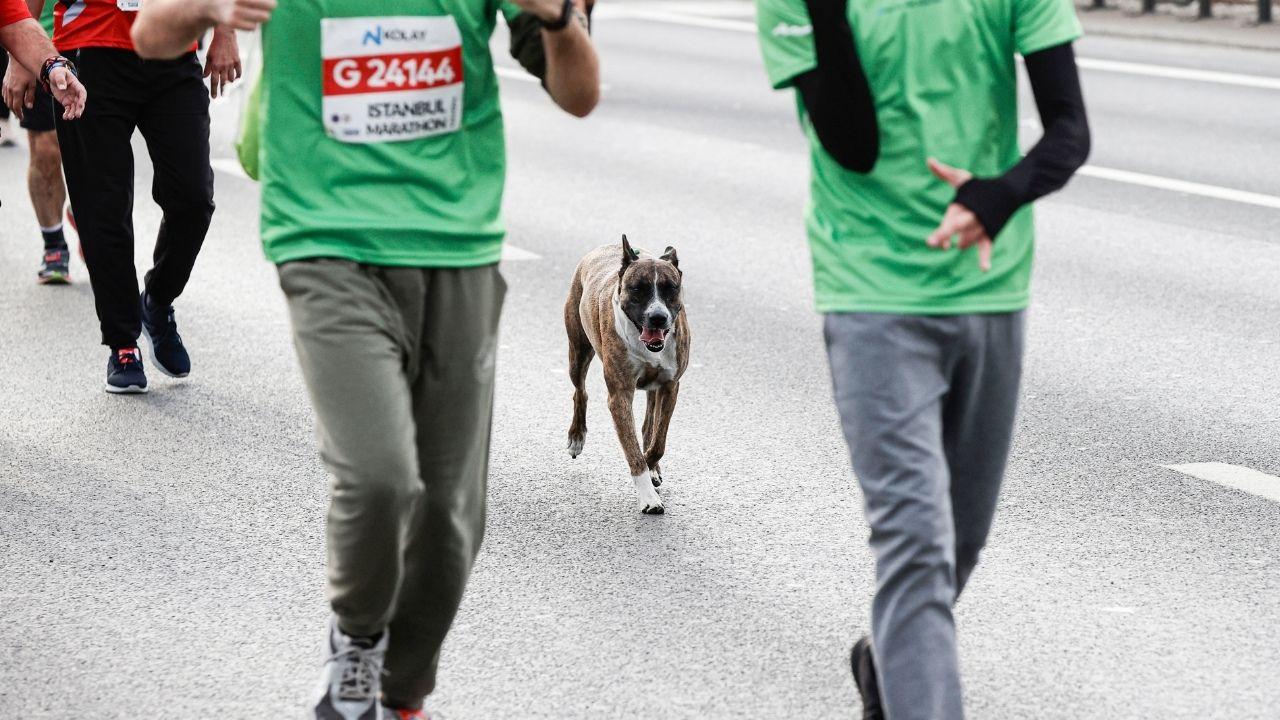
382 137
944 79
46 17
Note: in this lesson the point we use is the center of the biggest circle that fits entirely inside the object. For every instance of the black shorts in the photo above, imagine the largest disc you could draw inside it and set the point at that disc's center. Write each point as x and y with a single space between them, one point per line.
40 117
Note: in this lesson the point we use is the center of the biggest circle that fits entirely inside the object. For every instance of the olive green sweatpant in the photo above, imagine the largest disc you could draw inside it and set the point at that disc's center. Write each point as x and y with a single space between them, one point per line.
399 364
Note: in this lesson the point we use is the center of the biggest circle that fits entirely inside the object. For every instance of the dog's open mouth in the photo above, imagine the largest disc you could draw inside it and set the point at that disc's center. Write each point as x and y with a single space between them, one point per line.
654 338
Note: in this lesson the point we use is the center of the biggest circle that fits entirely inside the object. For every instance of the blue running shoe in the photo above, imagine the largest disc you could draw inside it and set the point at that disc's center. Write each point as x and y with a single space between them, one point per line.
167 350
124 372
55 267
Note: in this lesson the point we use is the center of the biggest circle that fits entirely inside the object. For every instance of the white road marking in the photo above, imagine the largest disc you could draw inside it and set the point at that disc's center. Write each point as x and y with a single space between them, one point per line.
1184 186
514 74
677 19
1234 476
1115 66
230 166
510 253
1178 73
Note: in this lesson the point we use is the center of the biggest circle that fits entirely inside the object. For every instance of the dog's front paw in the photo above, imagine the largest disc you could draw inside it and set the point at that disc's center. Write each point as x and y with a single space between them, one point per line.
655 474
575 444
648 498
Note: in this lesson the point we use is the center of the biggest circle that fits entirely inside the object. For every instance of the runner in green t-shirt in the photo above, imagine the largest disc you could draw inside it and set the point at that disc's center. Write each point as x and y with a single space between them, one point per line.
911 111
382 161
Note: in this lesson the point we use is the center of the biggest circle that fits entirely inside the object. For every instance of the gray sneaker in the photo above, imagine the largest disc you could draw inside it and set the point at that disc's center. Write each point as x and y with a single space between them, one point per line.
352 677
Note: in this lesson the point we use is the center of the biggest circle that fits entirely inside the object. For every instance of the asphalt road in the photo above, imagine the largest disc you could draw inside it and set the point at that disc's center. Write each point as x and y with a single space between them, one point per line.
162 556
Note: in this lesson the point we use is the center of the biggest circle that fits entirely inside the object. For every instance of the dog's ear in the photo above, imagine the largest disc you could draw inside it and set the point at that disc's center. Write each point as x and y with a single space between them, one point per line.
629 255
670 256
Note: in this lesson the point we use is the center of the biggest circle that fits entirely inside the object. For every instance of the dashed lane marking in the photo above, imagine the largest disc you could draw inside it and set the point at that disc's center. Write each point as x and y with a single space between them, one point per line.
1234 476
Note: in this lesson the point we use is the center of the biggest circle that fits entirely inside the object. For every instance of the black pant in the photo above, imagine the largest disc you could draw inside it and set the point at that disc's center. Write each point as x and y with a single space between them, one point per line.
167 101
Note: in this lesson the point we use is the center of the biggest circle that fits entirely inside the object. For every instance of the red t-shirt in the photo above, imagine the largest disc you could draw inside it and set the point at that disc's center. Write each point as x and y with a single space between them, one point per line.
93 23
11 11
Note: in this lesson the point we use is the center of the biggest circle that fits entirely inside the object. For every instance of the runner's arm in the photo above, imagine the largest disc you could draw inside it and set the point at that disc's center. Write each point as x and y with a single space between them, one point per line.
1061 151
836 94
31 48
167 28
526 42
572 68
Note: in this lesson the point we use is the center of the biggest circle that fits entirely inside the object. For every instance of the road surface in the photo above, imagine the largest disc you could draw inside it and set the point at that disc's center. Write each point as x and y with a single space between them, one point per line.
162 556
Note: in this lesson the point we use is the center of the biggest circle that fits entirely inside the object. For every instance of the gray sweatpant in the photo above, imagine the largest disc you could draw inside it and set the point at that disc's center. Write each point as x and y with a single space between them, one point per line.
399 363
927 405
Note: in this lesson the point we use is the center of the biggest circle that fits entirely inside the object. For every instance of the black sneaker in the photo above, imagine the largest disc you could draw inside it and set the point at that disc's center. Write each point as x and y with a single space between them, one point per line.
167 351
124 372
55 267
864 677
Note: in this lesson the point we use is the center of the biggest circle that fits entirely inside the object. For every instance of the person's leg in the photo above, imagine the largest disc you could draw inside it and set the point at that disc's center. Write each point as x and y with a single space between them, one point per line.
353 356
98 161
890 379
175 124
453 404
978 418
44 181
46 188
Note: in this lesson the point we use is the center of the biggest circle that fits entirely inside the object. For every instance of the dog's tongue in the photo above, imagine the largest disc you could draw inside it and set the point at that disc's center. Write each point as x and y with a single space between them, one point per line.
650 335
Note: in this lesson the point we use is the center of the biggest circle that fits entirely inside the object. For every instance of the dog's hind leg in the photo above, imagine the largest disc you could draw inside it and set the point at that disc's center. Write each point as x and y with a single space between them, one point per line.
656 444
580 355
621 400
579 361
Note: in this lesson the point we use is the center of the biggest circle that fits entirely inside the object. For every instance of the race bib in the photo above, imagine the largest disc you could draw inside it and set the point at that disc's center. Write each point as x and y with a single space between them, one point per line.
129 5
388 79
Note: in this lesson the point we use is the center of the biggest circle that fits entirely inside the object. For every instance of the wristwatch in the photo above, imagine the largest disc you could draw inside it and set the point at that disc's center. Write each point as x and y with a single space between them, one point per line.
566 14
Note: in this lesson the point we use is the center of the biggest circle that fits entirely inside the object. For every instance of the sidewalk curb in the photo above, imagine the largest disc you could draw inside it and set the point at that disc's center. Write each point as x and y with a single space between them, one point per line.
1117 22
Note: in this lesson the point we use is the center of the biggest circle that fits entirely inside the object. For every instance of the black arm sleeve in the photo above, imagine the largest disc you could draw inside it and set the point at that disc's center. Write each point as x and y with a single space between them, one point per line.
1060 152
836 94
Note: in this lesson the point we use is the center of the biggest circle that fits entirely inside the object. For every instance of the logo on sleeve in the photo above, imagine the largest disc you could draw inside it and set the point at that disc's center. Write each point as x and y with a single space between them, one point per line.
784 30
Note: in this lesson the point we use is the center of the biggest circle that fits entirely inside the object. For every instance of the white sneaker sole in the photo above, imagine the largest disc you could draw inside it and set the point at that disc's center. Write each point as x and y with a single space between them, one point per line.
130 390
151 351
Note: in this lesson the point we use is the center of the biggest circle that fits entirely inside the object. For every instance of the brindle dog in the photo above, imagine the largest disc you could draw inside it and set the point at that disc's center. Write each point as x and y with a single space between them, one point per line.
626 306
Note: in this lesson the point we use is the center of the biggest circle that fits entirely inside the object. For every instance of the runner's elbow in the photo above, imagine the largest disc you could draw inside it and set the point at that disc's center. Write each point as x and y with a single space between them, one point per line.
580 102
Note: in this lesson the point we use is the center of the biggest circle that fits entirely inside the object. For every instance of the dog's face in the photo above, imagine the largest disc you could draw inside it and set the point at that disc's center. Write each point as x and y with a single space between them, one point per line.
650 294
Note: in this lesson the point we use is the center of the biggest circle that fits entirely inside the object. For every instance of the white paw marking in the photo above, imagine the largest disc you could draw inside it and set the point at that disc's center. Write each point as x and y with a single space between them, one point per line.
649 500
575 446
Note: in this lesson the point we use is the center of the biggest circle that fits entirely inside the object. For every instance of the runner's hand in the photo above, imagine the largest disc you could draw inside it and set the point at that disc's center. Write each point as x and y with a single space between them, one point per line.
959 220
19 89
222 62
240 14
68 91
